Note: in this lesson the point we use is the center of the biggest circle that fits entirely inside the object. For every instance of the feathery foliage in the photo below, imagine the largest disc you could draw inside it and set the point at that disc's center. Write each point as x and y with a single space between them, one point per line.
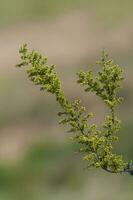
96 143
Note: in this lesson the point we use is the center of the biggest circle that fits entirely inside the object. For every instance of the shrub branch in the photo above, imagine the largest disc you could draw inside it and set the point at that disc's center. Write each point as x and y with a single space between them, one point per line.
96 143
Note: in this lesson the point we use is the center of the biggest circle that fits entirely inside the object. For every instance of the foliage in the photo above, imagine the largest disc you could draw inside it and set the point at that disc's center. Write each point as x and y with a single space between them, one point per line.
96 143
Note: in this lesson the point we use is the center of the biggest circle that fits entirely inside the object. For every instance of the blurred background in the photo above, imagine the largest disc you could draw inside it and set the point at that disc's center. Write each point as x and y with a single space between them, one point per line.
38 161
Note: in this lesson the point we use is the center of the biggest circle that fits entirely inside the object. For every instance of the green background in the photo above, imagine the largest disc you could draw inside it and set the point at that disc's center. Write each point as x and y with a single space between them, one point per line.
37 158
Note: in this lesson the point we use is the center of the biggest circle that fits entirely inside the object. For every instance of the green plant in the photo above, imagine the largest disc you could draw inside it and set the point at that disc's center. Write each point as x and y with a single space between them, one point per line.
96 143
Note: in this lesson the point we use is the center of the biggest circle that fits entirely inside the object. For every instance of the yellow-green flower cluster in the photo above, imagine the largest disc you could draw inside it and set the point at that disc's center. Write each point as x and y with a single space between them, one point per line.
96 144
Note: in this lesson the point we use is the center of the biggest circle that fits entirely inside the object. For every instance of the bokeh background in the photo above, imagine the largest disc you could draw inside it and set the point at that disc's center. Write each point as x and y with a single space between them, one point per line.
38 161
